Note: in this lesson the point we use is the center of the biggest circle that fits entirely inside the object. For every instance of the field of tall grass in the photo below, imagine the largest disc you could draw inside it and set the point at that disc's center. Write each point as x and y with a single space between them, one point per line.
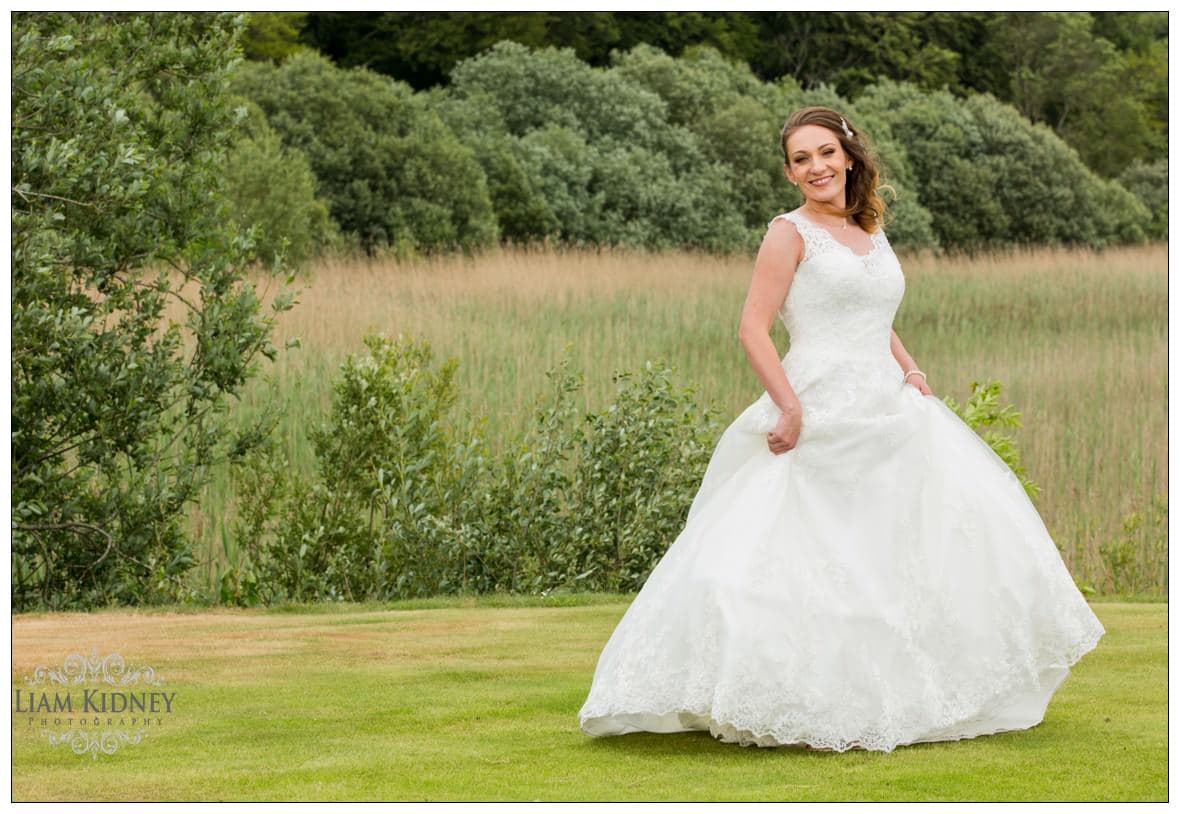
1078 339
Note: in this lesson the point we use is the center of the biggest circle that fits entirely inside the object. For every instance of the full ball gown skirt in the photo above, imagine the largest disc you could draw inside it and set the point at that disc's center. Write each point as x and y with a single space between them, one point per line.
885 582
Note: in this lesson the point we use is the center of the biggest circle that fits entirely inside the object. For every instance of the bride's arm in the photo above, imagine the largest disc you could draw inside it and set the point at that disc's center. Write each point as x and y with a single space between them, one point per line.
774 269
899 353
907 363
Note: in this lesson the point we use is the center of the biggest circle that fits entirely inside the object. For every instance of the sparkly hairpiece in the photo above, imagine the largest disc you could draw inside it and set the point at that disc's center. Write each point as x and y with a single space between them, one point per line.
844 124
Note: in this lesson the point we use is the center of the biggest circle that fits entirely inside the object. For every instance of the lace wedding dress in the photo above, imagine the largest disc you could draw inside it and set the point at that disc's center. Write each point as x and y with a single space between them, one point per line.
885 582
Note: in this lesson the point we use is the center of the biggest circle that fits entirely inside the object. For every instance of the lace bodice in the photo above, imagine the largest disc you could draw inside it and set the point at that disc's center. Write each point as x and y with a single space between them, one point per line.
840 301
839 313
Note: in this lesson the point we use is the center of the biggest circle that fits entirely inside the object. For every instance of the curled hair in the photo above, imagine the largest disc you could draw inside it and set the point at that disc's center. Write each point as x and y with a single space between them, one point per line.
864 204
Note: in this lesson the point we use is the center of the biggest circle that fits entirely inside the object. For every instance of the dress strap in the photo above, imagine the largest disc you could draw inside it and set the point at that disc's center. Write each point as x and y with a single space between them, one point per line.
815 238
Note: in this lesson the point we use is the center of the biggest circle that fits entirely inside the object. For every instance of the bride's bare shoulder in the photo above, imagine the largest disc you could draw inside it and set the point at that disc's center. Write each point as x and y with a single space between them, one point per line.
783 241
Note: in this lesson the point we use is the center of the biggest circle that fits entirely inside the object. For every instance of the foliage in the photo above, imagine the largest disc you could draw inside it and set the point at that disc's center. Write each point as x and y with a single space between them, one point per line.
422 48
723 106
639 464
385 509
1097 98
850 50
1149 183
598 156
392 172
1099 79
120 124
525 526
273 36
404 504
983 413
1144 531
273 188
534 145
961 153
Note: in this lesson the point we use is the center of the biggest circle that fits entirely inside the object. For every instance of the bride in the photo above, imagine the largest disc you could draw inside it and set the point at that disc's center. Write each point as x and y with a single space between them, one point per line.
858 569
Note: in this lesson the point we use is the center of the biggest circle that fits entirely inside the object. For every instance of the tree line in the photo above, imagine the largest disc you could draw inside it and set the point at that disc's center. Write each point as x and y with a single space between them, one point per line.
534 145
1098 79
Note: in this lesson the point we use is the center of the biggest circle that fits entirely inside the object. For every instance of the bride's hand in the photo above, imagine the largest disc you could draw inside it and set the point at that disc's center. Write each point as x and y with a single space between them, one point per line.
786 431
920 383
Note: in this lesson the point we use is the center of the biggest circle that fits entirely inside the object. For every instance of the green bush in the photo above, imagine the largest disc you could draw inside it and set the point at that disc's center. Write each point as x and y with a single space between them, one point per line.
718 102
983 413
120 126
273 188
738 119
404 503
597 156
1137 559
639 465
992 179
1149 183
532 145
392 172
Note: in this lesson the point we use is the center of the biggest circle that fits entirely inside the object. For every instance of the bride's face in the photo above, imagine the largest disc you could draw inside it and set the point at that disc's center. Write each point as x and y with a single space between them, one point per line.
817 163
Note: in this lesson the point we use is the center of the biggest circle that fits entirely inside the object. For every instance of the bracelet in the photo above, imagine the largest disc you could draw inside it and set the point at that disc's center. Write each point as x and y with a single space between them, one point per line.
912 372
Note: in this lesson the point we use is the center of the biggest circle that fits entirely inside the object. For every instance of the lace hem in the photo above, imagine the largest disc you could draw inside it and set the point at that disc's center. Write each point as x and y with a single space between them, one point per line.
802 729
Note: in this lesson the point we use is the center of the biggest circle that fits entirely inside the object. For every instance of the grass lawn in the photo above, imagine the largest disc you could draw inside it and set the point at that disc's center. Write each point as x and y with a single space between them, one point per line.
477 699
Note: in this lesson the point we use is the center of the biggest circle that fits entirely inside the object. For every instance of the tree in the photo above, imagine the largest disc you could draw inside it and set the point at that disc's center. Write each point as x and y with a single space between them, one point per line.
422 47
1064 74
273 36
273 188
850 49
1082 73
392 172
119 128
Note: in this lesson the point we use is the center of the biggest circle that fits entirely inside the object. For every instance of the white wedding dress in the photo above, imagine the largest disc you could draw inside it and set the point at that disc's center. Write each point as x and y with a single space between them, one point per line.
885 582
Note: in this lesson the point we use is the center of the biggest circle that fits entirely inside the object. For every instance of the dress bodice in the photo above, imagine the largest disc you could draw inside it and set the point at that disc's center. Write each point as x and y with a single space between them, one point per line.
839 301
839 313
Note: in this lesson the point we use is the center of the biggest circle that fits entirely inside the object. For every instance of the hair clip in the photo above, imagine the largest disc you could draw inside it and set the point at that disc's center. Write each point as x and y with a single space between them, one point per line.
844 124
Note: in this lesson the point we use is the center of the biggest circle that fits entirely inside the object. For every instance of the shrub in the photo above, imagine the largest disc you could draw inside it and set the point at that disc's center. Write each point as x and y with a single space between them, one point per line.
392 172
592 148
273 188
405 503
120 125
983 413
639 464
1138 558
738 119
992 179
1149 183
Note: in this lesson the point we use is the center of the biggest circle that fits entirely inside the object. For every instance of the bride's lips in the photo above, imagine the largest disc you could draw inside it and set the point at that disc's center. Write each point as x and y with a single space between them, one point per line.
821 182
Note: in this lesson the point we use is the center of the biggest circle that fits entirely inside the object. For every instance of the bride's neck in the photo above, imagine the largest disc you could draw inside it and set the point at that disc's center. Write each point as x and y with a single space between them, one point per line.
830 210
826 211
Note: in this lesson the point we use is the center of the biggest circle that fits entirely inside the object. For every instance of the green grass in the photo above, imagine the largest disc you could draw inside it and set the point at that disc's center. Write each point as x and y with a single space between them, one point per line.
477 699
